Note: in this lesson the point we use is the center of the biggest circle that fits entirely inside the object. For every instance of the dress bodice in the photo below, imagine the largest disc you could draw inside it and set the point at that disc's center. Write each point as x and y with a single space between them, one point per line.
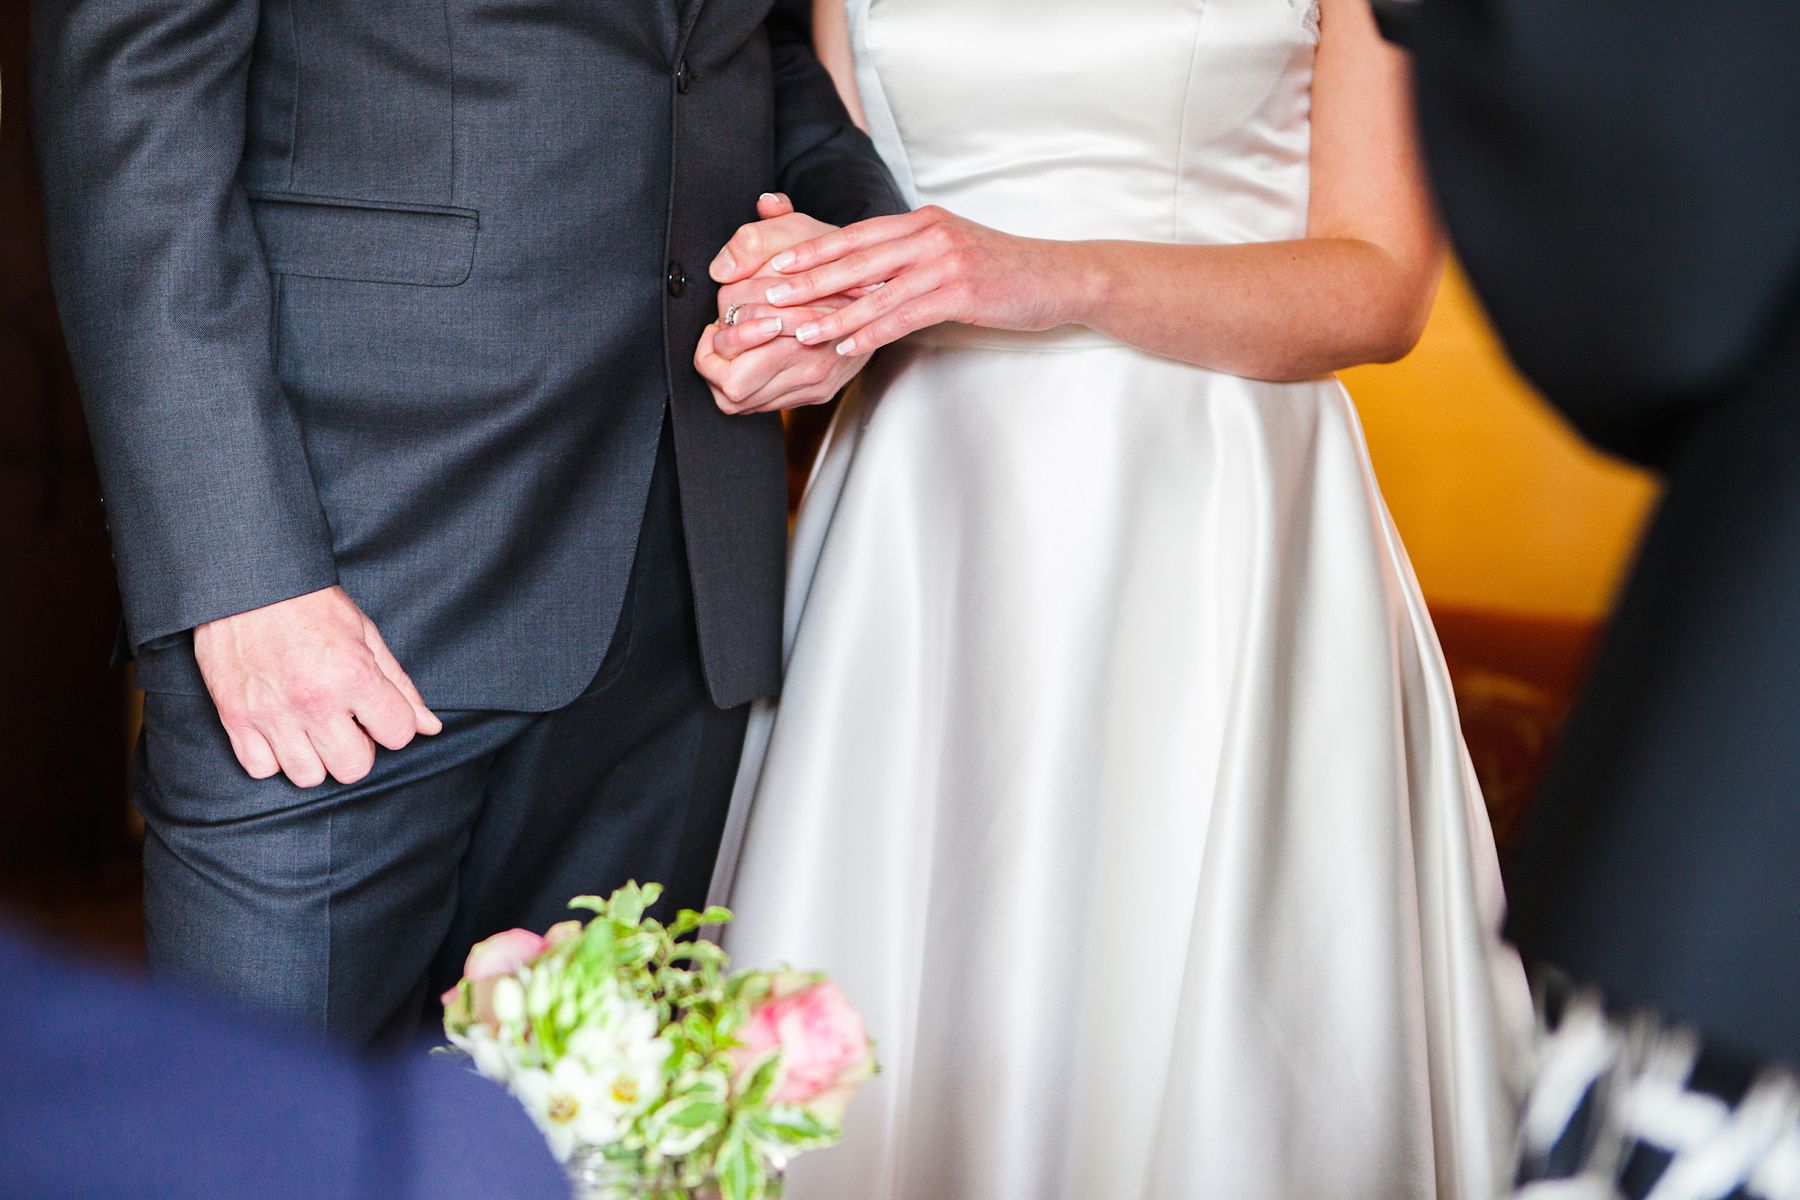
1154 120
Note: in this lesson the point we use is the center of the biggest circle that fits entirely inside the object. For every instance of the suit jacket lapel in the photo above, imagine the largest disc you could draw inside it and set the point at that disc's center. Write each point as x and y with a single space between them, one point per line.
689 12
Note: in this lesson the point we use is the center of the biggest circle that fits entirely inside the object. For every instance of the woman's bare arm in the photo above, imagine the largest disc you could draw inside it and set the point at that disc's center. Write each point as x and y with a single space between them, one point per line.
1356 289
831 40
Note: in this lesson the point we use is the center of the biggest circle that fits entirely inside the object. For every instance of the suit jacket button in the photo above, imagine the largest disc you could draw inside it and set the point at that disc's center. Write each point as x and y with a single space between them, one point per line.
684 78
677 279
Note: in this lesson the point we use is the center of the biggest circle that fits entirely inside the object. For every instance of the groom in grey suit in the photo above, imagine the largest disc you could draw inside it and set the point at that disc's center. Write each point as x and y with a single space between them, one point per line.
446 580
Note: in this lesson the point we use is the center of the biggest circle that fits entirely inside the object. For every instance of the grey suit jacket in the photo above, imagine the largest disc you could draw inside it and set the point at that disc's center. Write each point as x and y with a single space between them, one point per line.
394 293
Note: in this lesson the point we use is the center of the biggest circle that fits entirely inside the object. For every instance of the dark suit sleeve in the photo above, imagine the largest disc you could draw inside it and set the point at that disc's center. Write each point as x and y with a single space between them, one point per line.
828 166
111 1088
1622 179
166 301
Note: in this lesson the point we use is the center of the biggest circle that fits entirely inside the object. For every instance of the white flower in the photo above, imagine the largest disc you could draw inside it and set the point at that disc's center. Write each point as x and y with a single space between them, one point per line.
509 1001
622 1050
492 1057
568 1104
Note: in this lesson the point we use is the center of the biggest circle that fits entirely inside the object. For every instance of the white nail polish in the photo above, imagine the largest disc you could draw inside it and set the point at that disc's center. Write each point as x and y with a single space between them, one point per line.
846 347
772 325
808 332
782 261
778 293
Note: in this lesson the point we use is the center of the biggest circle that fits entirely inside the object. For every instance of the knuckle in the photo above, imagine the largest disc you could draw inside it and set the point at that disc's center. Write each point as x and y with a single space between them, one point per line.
310 696
353 772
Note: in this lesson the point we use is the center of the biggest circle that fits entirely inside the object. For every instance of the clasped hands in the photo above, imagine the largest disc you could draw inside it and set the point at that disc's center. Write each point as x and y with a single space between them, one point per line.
812 302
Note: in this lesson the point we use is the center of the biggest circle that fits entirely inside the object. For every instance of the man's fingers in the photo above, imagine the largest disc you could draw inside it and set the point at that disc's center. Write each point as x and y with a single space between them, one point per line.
386 714
424 720
299 761
253 752
346 752
751 247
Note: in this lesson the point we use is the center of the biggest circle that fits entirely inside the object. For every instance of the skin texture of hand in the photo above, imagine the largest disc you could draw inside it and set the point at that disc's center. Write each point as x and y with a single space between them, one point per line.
307 688
750 366
928 267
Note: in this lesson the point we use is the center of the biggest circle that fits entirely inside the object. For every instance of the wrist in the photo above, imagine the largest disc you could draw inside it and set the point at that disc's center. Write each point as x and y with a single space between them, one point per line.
1083 282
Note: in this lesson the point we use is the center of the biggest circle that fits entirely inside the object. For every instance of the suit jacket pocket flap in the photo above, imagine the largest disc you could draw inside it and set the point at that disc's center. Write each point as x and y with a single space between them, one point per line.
329 238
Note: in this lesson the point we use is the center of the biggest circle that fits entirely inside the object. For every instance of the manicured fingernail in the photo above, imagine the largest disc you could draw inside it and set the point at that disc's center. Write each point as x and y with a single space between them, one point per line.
771 326
725 264
768 196
778 293
782 261
846 347
877 285
808 332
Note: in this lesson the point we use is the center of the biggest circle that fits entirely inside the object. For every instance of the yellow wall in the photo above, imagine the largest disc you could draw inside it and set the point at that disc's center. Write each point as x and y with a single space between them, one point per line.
1500 505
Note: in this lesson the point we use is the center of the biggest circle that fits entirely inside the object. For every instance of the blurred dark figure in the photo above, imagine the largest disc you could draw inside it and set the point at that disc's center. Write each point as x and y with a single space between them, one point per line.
109 1088
63 709
1622 179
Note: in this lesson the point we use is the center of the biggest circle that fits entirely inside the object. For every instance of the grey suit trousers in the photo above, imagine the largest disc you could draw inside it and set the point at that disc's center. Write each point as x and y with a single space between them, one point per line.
346 909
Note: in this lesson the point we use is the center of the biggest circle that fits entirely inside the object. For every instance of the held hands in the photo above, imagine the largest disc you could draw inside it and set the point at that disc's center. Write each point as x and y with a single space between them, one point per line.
755 365
921 269
307 687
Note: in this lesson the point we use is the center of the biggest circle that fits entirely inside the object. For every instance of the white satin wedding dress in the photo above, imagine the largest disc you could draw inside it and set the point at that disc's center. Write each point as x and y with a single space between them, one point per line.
1118 776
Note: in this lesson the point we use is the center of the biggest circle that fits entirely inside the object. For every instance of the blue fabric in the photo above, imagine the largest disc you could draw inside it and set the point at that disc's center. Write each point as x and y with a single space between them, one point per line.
111 1089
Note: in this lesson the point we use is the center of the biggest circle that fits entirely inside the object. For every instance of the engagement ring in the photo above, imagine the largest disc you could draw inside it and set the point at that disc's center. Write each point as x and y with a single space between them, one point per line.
731 315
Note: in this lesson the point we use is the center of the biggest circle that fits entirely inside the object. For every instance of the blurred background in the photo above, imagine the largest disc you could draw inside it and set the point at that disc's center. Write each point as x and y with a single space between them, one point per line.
1518 533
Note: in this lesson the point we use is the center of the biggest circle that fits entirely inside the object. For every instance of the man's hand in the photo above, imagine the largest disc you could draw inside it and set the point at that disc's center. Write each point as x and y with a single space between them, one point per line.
753 245
307 687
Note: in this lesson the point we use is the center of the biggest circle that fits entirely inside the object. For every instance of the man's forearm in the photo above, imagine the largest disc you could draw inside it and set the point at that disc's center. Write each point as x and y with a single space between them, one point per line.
140 115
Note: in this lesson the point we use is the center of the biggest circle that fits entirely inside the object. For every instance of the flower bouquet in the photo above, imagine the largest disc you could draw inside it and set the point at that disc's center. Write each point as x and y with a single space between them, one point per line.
652 1069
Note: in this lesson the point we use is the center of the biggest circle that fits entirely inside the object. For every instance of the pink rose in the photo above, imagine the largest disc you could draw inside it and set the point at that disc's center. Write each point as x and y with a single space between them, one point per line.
488 962
561 932
825 1050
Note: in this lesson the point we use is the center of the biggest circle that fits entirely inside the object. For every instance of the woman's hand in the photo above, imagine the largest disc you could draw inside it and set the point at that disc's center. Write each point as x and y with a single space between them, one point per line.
752 368
921 269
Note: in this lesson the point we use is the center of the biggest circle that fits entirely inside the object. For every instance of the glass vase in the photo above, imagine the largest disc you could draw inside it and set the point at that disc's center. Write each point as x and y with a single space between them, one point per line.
593 1176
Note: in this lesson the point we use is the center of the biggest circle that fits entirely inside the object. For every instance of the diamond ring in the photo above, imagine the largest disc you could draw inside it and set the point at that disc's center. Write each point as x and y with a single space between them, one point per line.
731 314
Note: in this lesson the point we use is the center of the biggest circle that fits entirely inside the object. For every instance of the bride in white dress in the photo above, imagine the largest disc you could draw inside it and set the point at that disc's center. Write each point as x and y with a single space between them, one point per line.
1118 776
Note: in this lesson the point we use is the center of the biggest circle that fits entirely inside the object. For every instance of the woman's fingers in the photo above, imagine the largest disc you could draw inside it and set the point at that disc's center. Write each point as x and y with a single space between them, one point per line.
833 326
753 328
770 205
835 245
890 328
859 268
760 324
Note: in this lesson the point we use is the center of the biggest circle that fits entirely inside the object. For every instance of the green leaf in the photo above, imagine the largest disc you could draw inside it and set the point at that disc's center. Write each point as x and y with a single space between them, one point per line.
762 1080
786 1130
740 1168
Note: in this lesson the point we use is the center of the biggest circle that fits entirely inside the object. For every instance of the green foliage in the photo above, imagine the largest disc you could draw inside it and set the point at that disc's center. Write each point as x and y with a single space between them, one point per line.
713 1120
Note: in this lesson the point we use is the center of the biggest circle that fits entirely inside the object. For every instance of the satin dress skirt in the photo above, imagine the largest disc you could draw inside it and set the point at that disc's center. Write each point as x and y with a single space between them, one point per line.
1118 779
